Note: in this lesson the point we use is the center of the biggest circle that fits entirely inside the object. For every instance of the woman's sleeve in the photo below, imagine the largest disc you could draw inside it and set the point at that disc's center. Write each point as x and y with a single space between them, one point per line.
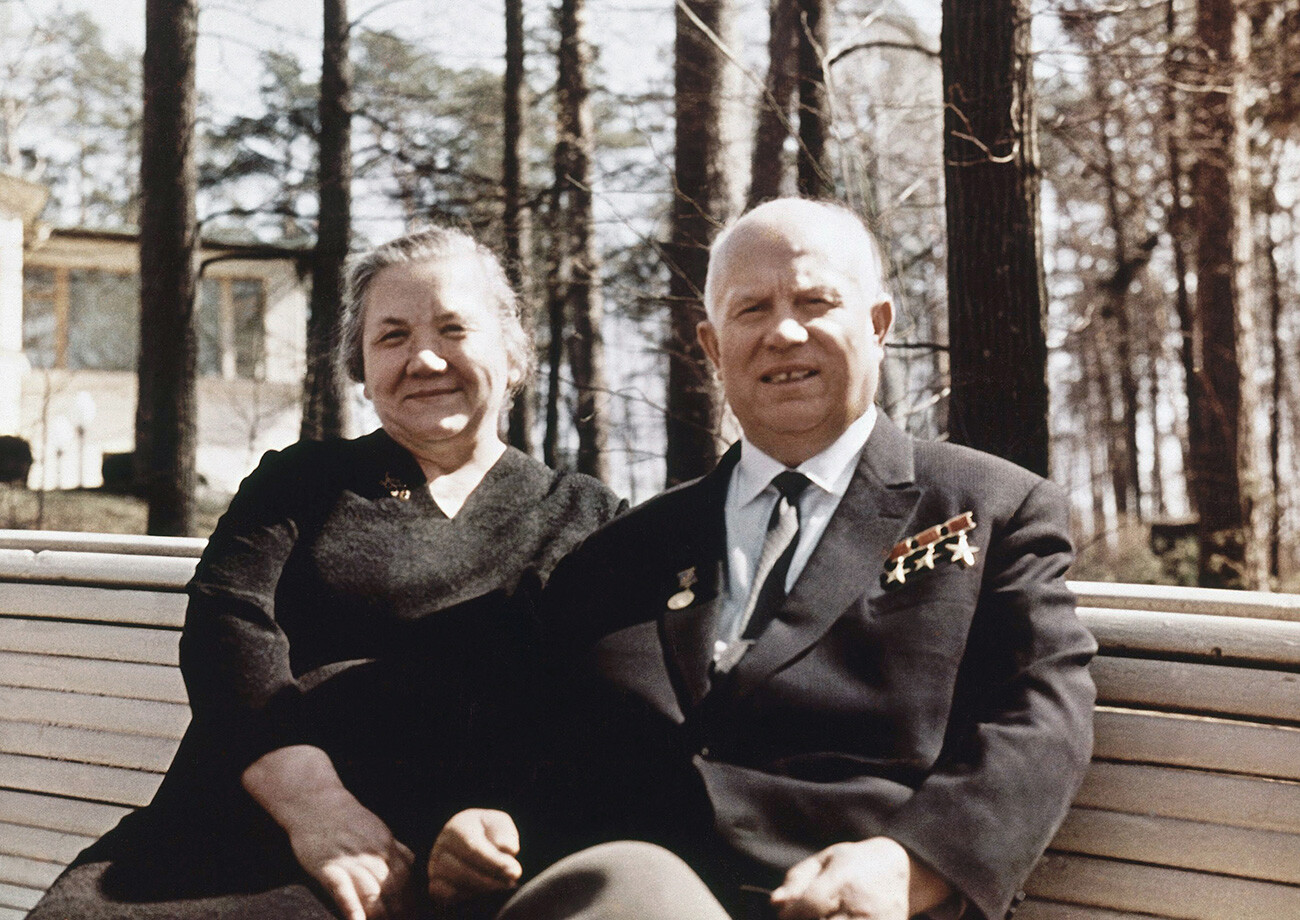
234 654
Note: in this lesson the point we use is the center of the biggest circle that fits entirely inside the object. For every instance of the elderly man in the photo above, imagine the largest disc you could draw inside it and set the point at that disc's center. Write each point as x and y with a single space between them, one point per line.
840 676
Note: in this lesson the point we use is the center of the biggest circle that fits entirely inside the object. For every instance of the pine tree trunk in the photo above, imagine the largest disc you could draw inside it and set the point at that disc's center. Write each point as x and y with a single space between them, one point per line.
586 347
1275 313
815 174
324 410
1220 456
515 215
702 203
1176 132
767 161
996 299
166 411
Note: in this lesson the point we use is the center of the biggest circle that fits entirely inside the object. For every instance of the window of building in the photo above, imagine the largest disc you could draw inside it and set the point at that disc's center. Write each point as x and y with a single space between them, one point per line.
89 319
40 318
103 320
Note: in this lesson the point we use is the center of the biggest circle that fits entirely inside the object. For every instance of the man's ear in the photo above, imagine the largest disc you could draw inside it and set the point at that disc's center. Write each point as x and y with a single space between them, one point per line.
882 320
708 337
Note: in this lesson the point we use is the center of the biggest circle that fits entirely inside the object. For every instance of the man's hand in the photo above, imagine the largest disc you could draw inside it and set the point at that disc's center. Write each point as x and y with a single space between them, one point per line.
474 854
339 842
874 879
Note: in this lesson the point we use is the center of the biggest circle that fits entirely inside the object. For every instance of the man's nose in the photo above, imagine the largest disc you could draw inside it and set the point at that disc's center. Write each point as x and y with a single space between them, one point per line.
787 332
428 361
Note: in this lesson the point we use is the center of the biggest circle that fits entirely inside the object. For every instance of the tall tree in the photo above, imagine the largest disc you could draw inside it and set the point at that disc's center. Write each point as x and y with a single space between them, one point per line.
1221 457
324 402
813 30
702 201
516 218
998 356
584 301
166 416
767 161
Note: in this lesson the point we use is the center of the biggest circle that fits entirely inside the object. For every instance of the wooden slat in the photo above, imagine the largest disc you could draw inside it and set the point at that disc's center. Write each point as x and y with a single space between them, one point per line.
89 819
80 602
78 710
9 913
165 573
21 872
1193 795
1162 892
87 640
41 844
1214 601
1185 635
1198 688
84 675
1034 909
56 777
134 752
18 900
1267 855
76 541
1201 742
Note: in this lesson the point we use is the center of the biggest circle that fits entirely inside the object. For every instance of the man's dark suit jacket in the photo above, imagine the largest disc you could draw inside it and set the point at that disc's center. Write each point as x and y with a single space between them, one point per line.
952 713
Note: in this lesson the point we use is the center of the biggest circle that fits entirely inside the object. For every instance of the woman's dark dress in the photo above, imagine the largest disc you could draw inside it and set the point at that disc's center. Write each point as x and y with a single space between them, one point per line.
337 605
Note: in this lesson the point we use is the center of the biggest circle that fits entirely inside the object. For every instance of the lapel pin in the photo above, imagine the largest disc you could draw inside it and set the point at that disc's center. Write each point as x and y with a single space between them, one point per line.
685 596
396 488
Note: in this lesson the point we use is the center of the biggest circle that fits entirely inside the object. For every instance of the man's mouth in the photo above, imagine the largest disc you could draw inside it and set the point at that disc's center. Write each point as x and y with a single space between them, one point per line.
789 376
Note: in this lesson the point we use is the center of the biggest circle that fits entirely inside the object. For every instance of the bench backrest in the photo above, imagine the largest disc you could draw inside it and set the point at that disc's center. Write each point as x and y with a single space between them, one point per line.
1191 809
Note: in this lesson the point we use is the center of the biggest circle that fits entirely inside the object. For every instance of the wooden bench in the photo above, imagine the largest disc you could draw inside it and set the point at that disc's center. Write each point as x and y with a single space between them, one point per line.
1191 809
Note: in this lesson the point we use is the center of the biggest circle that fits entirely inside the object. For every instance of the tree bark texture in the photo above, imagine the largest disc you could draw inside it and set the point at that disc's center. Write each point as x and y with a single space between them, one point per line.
166 411
1221 469
324 410
815 176
996 299
774 125
586 306
516 217
702 203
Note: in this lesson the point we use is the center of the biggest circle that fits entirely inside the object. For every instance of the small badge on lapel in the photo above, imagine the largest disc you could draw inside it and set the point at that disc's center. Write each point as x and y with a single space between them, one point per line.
396 488
684 596
921 551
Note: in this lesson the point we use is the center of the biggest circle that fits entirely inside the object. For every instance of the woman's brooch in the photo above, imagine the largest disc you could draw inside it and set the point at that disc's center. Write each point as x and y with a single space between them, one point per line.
396 488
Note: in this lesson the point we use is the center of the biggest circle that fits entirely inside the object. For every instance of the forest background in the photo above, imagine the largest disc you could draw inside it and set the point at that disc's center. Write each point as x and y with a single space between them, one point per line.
1049 205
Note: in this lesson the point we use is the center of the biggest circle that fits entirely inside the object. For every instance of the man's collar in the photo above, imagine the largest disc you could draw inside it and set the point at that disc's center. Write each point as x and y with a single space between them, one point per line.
826 470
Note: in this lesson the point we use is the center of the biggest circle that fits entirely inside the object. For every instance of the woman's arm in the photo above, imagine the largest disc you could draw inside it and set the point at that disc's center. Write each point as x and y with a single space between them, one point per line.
336 839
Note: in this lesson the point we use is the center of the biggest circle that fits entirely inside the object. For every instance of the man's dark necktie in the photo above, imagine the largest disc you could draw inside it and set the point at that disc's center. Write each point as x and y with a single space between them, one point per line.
767 592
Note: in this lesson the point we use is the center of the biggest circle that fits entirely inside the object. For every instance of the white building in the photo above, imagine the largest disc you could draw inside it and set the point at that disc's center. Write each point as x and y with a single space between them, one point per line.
69 337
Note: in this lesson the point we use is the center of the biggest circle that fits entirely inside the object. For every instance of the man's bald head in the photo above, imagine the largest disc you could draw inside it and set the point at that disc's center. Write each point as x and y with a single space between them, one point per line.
831 226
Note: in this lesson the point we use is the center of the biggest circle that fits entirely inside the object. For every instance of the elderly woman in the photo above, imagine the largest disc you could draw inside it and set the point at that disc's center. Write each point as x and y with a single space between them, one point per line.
355 646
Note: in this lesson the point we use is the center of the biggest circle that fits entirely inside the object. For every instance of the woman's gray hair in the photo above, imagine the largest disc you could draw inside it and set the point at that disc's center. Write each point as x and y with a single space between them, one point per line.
419 246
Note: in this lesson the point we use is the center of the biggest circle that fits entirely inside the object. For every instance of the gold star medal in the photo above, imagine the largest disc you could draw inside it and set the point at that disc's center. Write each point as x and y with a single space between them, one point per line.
685 596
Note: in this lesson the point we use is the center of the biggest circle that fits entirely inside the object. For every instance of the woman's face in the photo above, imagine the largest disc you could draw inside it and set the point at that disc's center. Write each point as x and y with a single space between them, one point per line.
435 363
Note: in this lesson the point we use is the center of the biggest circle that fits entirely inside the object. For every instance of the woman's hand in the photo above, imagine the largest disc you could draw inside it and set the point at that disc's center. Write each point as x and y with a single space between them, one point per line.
354 856
474 854
346 847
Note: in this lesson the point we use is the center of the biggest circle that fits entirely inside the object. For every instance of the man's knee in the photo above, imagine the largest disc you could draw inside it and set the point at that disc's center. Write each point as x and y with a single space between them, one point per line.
624 879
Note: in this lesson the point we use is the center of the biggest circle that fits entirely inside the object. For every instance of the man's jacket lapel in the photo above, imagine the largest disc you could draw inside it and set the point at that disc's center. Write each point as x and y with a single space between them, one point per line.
688 632
848 559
